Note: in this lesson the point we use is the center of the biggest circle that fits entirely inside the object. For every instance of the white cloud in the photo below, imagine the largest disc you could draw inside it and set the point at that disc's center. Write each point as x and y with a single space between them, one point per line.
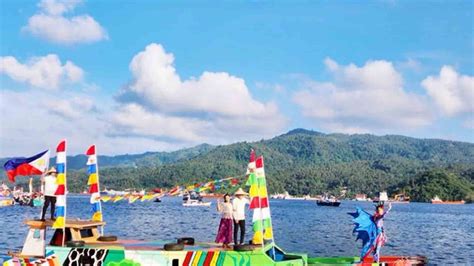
452 92
44 72
71 108
40 119
51 24
213 107
370 98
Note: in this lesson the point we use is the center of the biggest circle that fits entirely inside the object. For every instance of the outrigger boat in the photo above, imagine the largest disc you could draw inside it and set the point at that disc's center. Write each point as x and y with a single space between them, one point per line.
81 242
85 246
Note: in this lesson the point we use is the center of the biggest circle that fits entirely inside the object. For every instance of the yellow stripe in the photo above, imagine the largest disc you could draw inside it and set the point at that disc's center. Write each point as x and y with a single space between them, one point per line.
257 238
92 179
215 258
253 190
60 179
59 223
262 193
196 258
268 233
97 216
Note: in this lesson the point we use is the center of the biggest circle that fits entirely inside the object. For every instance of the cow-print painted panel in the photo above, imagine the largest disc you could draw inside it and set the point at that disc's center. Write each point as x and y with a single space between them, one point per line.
85 257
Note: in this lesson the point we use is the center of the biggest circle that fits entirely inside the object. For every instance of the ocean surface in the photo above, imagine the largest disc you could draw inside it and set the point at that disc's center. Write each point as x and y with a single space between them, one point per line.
443 233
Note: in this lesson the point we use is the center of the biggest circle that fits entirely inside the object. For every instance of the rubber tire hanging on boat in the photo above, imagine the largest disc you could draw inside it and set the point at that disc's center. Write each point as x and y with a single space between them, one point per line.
244 247
107 238
75 243
186 241
173 247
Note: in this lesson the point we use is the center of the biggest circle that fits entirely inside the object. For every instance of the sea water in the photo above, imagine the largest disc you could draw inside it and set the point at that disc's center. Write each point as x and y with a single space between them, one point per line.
443 233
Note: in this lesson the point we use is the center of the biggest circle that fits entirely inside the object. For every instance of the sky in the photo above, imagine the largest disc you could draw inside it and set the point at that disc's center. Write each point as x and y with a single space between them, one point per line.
137 76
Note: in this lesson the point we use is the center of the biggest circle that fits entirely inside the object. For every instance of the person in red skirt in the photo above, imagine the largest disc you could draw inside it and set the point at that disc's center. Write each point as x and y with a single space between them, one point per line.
224 234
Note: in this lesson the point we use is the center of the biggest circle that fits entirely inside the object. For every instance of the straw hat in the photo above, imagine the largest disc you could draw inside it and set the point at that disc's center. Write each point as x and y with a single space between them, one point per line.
52 170
240 192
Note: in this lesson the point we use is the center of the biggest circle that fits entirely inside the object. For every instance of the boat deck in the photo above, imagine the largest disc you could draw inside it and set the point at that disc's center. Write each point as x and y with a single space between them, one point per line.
154 245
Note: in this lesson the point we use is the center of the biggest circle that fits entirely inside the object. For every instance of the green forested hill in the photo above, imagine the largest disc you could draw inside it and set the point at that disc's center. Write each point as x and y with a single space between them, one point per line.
309 162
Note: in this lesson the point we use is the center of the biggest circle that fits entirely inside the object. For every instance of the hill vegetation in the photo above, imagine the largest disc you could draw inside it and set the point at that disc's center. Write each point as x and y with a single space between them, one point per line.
307 162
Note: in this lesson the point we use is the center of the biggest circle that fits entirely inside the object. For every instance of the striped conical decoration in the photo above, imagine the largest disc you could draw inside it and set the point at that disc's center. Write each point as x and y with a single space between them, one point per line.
60 209
262 224
93 171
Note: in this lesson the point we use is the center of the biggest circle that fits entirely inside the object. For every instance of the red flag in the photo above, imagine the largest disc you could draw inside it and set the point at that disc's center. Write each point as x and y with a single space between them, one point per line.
61 146
91 150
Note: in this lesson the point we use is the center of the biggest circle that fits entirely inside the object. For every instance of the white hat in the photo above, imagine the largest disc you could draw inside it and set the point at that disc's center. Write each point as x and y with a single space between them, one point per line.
240 191
52 170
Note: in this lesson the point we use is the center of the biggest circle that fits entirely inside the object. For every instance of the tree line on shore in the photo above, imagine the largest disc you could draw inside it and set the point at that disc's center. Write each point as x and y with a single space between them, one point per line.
306 162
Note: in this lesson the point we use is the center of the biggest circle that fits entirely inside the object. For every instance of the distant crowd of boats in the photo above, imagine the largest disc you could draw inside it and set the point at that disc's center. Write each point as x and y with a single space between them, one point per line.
193 199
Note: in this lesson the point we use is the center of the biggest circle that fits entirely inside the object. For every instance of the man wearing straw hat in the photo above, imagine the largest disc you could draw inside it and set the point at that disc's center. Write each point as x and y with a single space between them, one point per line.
49 186
238 206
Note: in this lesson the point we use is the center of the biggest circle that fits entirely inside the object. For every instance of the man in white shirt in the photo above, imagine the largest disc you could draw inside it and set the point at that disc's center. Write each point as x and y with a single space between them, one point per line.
238 206
49 188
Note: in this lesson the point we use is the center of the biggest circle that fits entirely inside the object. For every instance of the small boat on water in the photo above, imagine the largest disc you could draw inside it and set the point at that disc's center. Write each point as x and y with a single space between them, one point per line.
196 203
327 200
328 203
437 200
193 199
6 201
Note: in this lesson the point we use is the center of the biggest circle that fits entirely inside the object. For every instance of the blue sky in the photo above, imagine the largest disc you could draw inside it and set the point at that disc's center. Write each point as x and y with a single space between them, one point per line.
232 71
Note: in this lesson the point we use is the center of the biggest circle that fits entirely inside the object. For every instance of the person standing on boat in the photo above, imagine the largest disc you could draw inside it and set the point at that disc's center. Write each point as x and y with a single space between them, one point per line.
49 186
238 206
378 220
224 234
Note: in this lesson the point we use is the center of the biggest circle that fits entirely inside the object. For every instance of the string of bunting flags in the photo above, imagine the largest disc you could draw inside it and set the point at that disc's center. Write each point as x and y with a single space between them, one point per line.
210 186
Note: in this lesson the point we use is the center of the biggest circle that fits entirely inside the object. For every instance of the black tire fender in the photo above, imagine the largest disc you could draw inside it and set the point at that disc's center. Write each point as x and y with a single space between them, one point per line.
75 243
186 241
107 238
173 247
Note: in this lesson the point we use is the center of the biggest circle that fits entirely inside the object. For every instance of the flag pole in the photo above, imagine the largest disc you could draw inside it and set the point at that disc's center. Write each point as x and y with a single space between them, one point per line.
98 188
65 190
42 183
271 222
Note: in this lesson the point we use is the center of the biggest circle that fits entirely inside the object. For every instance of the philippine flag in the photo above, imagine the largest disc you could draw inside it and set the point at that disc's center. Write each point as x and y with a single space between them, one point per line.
35 165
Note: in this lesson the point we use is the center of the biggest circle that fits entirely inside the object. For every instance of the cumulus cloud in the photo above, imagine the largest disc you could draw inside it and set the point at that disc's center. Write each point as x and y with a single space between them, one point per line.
45 72
452 92
40 119
214 106
370 98
70 108
50 23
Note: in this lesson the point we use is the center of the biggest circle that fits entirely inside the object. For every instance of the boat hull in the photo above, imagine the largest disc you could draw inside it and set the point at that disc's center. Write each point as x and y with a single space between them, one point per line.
152 253
6 202
447 202
328 203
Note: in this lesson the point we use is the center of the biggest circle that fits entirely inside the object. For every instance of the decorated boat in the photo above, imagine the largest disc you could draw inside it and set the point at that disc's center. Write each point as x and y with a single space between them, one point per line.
82 242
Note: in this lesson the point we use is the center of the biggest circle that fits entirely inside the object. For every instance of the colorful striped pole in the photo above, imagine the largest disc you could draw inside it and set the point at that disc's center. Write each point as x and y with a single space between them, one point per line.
94 187
61 196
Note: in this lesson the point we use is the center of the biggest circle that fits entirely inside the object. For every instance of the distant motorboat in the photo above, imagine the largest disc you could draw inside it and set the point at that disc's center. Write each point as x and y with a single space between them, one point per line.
287 196
330 201
361 197
193 199
437 200
196 203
